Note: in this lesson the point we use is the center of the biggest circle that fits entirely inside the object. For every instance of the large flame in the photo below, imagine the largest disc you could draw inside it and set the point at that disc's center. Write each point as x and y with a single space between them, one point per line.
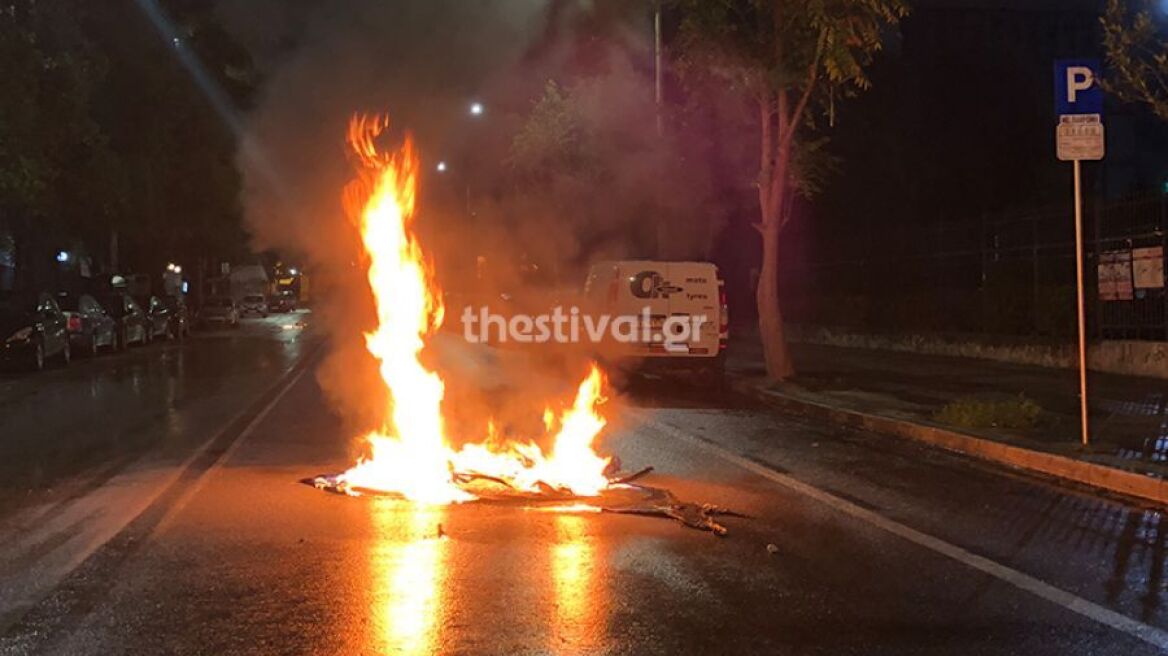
411 455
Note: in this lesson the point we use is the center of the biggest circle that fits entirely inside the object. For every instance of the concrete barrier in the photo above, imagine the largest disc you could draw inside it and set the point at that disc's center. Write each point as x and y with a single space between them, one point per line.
1126 358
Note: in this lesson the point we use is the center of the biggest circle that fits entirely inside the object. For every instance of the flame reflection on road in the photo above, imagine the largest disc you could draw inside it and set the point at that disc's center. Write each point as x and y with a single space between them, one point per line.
408 570
413 573
573 569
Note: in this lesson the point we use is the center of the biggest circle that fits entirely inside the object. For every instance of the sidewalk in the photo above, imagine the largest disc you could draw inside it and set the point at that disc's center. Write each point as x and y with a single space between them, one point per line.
900 393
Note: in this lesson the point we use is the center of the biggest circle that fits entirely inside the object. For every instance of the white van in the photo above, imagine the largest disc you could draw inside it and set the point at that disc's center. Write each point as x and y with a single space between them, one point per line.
676 297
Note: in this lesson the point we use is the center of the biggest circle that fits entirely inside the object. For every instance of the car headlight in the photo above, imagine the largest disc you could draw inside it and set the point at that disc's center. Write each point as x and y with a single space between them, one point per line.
21 335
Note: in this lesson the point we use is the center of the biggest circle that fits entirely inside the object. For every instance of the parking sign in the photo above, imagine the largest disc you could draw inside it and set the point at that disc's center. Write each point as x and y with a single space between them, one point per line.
1076 87
1078 102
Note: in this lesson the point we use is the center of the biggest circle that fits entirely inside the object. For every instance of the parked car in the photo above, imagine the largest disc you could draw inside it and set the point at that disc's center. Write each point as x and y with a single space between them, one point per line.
133 326
180 325
284 301
219 309
89 326
158 314
32 330
254 304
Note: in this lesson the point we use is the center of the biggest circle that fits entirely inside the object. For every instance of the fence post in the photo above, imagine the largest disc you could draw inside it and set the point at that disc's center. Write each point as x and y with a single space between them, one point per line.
982 292
1160 228
1034 313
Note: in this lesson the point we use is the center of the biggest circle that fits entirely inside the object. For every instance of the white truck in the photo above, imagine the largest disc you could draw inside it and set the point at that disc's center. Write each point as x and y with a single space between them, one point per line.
682 303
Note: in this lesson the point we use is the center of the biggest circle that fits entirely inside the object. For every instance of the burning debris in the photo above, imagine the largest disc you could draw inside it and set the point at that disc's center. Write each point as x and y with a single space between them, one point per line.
620 496
410 455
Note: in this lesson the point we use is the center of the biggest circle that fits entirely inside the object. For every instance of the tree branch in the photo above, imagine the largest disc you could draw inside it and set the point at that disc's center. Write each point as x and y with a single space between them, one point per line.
812 78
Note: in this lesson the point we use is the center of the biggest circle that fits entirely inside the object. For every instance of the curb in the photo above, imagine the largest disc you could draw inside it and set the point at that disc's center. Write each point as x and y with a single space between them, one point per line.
1110 479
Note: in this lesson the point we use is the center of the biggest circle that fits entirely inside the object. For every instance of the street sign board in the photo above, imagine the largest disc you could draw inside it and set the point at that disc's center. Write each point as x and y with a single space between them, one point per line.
1076 87
1078 101
1080 140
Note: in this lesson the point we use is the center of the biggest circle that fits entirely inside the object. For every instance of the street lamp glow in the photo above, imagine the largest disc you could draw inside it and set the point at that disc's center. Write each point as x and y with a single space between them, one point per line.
441 167
62 256
476 109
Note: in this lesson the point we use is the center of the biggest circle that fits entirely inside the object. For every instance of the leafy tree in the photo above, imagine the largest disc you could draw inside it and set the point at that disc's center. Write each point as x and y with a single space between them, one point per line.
177 153
102 129
1137 53
22 164
552 138
588 155
784 56
51 150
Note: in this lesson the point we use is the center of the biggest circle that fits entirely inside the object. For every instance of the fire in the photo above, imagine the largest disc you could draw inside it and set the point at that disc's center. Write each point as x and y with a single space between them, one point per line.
411 454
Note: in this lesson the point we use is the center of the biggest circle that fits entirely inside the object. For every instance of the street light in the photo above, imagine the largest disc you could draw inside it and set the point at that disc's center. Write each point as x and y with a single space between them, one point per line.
62 256
476 109
441 167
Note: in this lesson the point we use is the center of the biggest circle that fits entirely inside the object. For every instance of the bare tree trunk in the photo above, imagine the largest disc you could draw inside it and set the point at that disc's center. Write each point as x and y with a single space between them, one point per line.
770 317
772 189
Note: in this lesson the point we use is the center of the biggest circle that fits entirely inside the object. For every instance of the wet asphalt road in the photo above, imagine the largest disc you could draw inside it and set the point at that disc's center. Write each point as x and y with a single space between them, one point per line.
880 546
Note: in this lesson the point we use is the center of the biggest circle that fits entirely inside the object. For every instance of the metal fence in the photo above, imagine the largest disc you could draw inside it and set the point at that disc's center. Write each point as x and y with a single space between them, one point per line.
998 275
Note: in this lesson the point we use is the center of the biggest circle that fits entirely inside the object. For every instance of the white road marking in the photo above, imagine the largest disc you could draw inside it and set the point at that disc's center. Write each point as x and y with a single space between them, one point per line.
197 485
118 502
1118 621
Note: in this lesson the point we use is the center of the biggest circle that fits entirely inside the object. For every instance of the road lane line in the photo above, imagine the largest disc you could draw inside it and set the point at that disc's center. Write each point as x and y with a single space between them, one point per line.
14 608
181 502
1118 621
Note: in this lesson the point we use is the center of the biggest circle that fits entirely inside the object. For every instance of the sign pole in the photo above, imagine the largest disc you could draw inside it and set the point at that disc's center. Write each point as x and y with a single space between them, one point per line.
1078 103
1082 311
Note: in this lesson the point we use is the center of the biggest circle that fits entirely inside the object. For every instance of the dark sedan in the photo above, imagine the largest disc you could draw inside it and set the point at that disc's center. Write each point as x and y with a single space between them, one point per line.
133 325
32 330
90 327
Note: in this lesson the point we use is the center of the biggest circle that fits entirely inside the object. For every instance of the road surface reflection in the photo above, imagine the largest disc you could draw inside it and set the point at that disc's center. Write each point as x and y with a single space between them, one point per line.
408 572
573 570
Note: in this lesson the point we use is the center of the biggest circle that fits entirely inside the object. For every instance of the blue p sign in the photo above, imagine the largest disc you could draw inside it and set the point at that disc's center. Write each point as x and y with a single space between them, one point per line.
1076 87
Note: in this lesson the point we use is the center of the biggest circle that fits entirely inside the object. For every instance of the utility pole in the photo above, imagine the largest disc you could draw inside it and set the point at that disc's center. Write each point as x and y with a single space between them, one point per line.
658 96
657 68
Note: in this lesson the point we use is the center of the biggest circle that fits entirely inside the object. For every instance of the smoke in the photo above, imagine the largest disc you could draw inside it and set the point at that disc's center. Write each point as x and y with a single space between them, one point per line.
423 62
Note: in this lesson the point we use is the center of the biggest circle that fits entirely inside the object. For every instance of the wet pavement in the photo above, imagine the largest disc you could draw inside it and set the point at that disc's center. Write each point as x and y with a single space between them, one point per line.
878 546
78 419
